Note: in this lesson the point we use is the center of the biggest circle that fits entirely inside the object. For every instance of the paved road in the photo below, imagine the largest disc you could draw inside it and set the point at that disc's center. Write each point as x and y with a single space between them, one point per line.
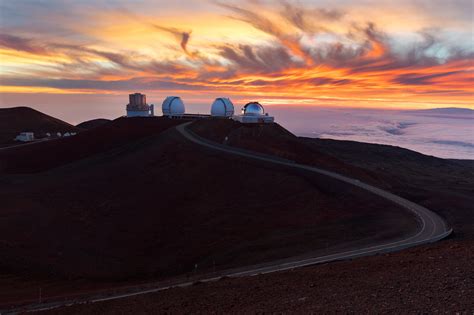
432 229
25 144
432 226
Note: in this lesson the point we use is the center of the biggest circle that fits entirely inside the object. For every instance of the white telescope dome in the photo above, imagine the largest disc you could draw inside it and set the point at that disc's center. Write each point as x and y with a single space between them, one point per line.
253 109
222 107
173 106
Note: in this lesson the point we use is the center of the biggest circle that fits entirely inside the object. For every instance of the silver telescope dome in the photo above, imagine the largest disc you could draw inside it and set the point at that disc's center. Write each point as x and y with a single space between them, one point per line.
253 109
222 107
173 106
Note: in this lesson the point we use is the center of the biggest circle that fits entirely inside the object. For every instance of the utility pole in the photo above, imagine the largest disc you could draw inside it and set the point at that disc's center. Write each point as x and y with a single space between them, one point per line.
39 296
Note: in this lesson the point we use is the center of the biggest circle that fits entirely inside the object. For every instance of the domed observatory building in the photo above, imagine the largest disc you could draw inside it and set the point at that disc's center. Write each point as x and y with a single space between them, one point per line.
173 106
222 107
253 109
254 113
137 106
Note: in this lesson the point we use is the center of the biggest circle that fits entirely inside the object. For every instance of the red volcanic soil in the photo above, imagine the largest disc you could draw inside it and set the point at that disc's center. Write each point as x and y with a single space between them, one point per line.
424 280
275 140
18 119
446 186
94 123
49 154
155 205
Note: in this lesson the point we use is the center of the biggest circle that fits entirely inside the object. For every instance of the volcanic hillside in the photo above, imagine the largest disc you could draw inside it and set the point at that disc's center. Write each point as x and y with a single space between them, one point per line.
94 123
275 140
18 119
57 152
134 199
443 185
435 278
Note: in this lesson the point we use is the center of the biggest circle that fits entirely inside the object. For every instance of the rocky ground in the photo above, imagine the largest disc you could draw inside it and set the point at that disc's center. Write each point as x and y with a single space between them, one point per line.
428 279
109 205
434 279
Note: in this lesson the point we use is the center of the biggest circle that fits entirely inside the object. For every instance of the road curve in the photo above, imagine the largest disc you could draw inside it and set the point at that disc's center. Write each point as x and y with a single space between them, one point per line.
432 229
432 226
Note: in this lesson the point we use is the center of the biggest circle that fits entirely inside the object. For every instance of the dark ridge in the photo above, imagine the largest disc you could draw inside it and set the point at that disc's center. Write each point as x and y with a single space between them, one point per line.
94 123
133 199
54 153
18 119
442 185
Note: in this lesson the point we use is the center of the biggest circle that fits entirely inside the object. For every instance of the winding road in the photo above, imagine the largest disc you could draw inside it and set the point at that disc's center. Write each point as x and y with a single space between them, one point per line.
432 229
432 226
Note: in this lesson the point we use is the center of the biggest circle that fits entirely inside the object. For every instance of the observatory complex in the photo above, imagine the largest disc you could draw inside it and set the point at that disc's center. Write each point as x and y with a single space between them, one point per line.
222 108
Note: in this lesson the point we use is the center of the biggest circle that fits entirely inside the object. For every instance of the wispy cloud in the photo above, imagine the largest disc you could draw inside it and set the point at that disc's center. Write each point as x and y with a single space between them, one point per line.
183 36
21 44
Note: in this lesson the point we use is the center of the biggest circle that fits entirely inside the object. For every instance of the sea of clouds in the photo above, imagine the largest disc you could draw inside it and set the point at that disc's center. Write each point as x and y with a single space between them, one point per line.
441 133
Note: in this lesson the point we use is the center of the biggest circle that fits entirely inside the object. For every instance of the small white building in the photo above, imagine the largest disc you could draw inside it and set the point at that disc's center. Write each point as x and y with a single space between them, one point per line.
173 106
137 106
254 113
25 137
222 107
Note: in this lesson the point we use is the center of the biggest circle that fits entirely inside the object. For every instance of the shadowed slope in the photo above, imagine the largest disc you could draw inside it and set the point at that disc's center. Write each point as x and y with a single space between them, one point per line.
94 123
50 154
18 119
158 205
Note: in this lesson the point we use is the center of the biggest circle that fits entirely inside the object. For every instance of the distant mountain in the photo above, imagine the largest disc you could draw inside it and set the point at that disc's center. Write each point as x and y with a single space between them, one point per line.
18 119
94 123
447 112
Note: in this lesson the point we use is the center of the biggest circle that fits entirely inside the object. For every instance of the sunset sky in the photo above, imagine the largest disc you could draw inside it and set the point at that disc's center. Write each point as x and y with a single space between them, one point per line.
380 54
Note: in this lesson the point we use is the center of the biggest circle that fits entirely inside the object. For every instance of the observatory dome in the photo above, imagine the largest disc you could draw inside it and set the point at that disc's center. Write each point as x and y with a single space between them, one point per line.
222 107
173 106
253 109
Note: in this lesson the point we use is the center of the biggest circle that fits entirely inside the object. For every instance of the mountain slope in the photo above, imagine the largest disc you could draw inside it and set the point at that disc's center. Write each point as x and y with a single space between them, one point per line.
157 205
18 119
94 123
54 153
442 185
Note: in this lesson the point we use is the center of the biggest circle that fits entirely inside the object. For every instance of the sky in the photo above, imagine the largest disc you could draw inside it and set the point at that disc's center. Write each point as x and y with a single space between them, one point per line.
87 55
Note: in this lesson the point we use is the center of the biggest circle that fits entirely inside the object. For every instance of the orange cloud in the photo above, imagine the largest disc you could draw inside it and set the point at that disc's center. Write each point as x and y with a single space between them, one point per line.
284 57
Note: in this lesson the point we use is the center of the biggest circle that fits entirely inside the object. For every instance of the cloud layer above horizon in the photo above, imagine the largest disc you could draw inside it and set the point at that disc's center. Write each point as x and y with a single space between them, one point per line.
408 54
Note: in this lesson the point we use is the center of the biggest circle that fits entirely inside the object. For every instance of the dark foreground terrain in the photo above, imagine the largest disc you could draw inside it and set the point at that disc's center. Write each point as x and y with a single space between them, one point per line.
133 200
434 279
445 186
152 205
